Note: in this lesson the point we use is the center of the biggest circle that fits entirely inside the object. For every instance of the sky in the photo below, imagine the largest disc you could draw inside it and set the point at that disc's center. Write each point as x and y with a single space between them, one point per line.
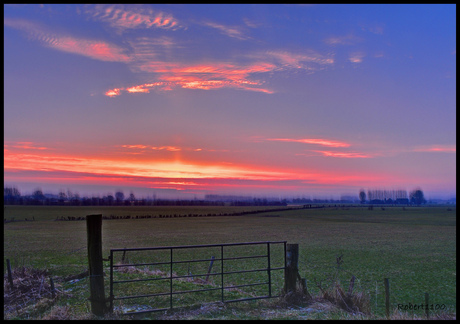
184 100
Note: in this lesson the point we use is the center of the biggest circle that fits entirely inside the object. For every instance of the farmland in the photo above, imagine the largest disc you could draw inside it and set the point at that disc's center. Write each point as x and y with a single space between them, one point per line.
414 247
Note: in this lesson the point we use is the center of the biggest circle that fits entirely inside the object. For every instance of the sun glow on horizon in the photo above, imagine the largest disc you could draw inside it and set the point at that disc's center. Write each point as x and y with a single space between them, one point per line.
169 174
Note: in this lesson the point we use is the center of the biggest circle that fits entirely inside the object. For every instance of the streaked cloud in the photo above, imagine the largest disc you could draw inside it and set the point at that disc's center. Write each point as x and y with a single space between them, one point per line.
95 49
167 148
348 39
199 76
25 145
118 16
137 146
230 31
347 155
299 60
437 149
170 148
317 141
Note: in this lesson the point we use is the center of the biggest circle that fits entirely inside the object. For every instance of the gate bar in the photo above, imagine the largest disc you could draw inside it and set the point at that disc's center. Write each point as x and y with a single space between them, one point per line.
193 246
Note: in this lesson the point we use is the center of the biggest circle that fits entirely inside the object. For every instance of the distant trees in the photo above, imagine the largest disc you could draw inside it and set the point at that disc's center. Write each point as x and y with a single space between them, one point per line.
132 198
110 199
378 196
362 196
11 195
38 194
417 197
119 197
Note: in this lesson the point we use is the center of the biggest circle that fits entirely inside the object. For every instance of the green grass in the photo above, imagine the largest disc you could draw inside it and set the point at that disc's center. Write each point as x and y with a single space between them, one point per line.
415 248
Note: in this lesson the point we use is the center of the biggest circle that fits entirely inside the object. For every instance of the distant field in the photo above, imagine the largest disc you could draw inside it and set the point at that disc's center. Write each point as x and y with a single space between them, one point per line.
415 248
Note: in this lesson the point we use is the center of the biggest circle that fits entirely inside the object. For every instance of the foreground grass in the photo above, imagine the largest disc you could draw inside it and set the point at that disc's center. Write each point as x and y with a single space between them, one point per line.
415 248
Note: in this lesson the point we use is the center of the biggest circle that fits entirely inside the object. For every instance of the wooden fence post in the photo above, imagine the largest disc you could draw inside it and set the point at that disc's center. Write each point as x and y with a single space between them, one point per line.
53 290
291 271
427 306
387 297
96 270
10 276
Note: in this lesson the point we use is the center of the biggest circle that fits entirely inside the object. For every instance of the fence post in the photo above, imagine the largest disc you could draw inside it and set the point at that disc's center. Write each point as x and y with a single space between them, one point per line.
387 297
53 290
10 276
96 270
427 306
291 271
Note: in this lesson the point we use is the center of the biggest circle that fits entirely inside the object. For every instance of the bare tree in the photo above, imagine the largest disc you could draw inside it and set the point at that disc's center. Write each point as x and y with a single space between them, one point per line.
119 196
362 196
417 197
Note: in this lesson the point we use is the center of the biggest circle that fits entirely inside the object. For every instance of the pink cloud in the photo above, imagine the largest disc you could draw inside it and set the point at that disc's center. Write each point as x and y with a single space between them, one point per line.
437 149
27 145
119 17
98 50
347 155
317 141
356 57
94 49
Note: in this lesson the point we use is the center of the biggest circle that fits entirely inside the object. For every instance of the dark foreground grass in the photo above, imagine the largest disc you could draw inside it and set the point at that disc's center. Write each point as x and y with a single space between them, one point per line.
415 248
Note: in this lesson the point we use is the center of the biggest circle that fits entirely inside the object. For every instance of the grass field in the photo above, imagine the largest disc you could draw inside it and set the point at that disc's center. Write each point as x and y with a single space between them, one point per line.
415 248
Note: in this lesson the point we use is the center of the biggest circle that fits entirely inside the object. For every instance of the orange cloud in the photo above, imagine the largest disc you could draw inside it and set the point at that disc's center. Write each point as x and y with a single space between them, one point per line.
139 88
113 92
167 148
322 142
135 146
198 81
352 155
161 148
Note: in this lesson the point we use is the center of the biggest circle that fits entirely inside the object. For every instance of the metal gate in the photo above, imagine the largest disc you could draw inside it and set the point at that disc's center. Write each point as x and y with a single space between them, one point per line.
226 259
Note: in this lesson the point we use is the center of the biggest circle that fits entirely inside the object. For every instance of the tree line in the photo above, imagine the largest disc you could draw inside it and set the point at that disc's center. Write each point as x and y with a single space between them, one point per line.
398 197
12 196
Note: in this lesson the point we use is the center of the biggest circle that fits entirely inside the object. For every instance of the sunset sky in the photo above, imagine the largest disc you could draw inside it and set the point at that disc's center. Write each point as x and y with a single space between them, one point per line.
261 100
